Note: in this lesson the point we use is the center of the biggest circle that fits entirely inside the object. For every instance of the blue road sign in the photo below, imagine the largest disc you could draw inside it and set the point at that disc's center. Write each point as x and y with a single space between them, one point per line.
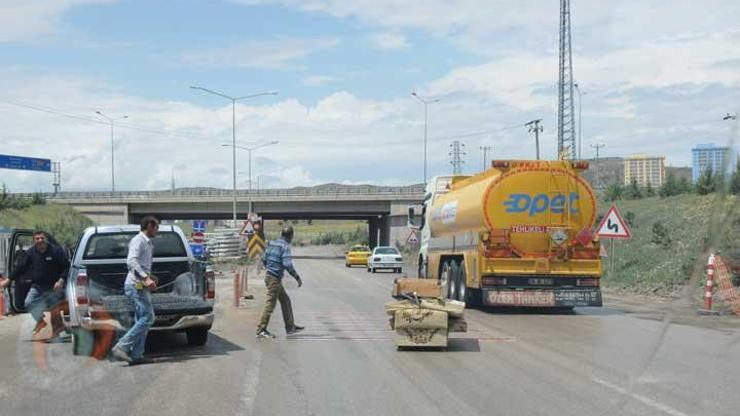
197 249
25 163
199 226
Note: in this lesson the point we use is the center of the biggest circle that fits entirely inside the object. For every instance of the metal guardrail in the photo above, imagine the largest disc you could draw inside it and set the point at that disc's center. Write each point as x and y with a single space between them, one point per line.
413 190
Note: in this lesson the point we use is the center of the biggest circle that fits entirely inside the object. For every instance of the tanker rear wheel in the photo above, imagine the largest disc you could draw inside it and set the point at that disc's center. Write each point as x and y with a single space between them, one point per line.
462 292
454 278
445 277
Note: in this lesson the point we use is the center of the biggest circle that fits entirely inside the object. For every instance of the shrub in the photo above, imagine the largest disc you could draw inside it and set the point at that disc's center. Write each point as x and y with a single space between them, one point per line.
660 235
707 183
633 191
614 192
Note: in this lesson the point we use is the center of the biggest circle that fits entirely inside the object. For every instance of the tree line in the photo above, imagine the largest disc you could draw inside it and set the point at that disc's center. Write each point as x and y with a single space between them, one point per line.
707 183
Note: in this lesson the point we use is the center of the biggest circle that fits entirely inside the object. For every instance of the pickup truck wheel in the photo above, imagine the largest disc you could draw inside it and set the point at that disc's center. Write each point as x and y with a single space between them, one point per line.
83 342
197 337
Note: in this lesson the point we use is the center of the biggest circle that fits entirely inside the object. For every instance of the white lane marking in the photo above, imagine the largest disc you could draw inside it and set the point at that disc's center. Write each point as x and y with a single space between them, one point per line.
642 399
251 381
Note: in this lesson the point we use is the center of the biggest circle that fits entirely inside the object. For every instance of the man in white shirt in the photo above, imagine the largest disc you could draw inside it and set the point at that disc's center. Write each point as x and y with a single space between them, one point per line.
139 283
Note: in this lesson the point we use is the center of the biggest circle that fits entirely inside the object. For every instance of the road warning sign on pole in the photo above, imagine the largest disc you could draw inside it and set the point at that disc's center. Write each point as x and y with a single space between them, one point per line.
412 239
255 246
613 226
247 228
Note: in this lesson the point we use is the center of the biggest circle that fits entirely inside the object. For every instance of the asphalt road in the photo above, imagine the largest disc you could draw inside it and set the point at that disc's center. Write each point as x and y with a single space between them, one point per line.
594 362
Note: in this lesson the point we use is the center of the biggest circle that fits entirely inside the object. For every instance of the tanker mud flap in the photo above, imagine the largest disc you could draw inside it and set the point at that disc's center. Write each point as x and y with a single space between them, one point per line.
543 298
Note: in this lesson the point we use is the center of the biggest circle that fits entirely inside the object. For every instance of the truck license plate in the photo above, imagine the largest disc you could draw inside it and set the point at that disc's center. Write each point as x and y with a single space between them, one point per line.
521 298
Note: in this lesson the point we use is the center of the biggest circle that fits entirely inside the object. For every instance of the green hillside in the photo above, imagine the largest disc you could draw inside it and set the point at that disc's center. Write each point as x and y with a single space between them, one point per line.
63 222
669 237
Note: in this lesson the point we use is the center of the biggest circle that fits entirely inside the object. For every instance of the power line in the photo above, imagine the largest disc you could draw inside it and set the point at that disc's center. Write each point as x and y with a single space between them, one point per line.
54 111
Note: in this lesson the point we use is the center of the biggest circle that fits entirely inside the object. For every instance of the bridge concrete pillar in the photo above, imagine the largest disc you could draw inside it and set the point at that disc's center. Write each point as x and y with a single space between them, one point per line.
384 225
372 224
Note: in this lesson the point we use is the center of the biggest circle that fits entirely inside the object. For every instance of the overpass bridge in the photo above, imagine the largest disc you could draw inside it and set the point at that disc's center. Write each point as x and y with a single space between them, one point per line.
383 207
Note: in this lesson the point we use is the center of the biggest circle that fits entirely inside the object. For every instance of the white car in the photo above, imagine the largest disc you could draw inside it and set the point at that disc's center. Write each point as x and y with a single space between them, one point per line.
385 257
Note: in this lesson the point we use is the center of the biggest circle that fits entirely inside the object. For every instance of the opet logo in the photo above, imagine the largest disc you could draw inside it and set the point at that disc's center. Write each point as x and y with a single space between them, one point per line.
539 203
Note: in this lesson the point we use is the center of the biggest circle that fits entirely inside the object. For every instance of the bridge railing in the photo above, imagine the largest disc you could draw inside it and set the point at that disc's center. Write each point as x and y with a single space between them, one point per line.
414 190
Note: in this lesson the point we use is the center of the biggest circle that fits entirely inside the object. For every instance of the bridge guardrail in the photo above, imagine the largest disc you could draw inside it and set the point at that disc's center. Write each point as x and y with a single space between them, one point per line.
189 193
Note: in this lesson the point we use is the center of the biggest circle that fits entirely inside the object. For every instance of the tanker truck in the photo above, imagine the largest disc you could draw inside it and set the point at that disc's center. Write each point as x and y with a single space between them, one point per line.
518 234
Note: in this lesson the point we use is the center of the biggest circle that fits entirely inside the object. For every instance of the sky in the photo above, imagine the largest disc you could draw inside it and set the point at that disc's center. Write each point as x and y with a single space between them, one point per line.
657 77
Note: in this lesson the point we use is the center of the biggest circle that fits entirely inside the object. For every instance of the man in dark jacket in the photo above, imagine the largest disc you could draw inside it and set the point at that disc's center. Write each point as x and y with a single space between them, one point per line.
48 265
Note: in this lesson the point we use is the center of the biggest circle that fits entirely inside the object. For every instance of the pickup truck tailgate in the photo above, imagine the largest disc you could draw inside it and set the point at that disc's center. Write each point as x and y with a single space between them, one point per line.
163 303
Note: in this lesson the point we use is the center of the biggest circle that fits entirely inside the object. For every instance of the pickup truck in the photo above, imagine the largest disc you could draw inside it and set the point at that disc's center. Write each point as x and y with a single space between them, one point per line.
183 300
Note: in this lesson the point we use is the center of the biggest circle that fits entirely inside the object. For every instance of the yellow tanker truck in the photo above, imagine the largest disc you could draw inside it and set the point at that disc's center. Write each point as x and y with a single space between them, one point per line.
518 234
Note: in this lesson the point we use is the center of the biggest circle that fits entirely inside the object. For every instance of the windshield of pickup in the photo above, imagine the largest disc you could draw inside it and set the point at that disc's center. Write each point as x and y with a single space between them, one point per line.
115 246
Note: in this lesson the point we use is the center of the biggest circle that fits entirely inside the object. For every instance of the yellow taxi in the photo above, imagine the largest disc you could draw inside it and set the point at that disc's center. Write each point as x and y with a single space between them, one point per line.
357 256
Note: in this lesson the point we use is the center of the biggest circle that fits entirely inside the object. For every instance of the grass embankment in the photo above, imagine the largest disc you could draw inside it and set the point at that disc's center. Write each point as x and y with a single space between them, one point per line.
669 237
61 221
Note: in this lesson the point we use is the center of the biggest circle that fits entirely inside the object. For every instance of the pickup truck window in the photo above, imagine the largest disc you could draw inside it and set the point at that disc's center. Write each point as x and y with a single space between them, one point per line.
115 246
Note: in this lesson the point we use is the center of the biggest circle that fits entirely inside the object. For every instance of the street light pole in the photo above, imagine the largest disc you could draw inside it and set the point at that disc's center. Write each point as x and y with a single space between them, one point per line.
426 102
112 121
233 133
249 149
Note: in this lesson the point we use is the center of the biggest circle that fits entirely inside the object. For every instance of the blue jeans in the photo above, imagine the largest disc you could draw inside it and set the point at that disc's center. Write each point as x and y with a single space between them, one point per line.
133 341
38 302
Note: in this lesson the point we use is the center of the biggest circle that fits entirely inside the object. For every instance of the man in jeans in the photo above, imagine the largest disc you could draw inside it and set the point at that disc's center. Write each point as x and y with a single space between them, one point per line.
277 259
48 265
139 283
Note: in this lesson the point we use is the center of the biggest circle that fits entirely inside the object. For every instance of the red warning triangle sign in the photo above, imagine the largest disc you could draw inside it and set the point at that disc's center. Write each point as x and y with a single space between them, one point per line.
613 226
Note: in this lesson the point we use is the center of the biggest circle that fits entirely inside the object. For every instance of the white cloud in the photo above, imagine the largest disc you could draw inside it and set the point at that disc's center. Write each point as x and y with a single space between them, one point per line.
317 80
280 53
28 20
389 41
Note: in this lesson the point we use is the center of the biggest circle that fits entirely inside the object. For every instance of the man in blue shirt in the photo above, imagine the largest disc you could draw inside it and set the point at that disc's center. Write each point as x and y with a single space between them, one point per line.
277 259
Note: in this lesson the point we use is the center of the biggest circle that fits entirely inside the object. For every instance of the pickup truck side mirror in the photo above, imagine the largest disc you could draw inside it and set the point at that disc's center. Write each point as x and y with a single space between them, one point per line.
410 219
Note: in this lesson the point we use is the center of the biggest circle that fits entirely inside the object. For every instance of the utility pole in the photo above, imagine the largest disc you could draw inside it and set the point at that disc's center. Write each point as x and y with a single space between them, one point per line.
485 150
534 126
566 119
56 168
596 173
457 152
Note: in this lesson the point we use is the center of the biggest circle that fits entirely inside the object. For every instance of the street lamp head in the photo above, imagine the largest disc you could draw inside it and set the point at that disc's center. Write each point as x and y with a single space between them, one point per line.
274 142
414 93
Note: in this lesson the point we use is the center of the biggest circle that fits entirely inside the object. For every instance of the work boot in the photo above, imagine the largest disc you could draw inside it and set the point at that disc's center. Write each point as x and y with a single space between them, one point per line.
121 355
296 329
263 333
140 361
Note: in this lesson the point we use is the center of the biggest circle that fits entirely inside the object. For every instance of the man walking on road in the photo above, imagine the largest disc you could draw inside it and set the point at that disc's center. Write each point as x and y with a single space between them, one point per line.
277 259
139 283
48 264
